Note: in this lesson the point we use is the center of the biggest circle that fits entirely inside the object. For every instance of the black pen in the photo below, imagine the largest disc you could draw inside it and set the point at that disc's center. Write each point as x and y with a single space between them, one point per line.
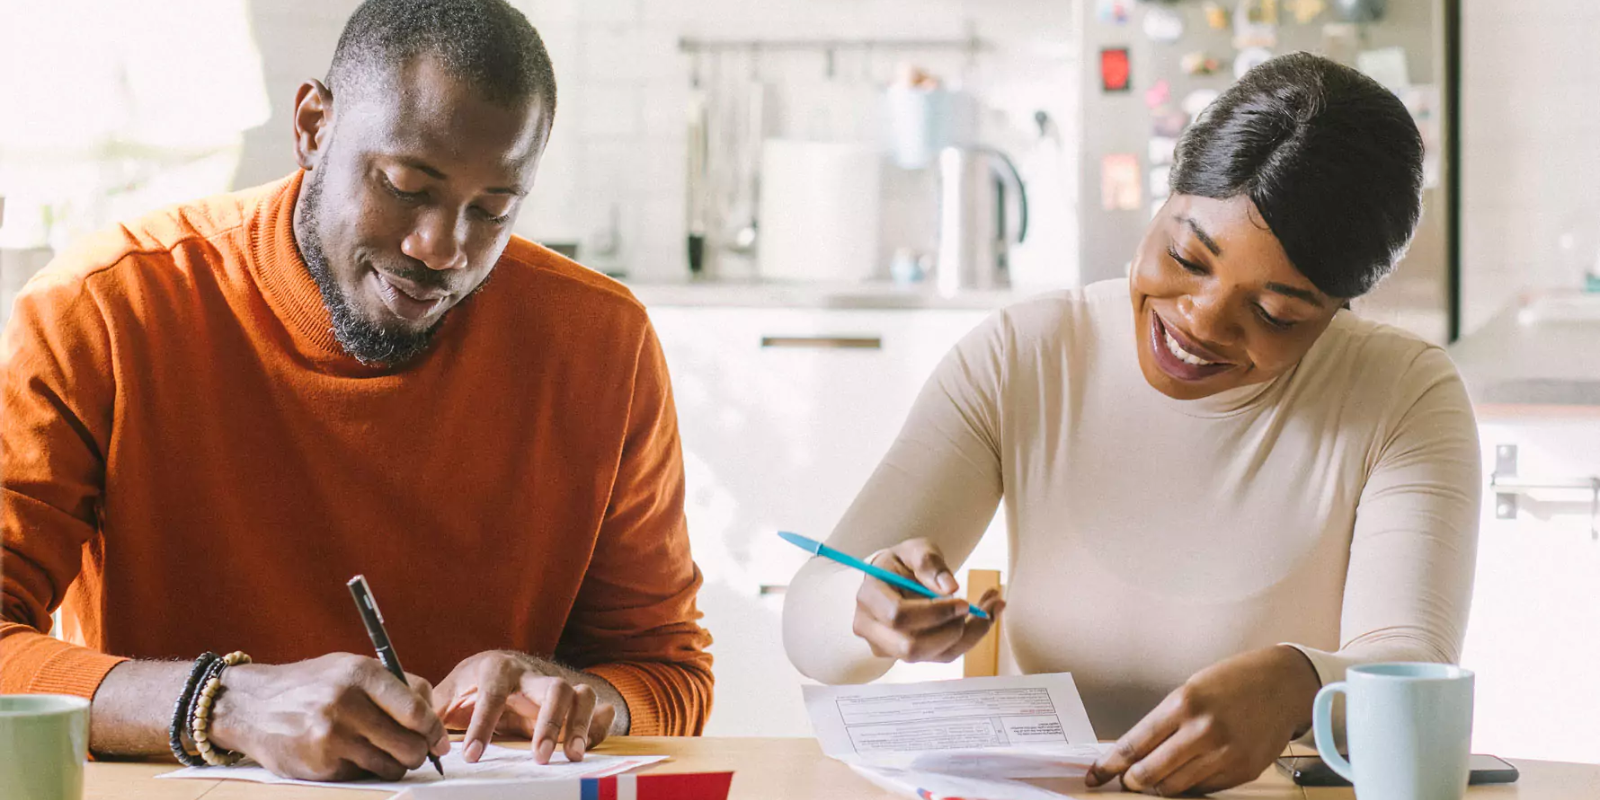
373 619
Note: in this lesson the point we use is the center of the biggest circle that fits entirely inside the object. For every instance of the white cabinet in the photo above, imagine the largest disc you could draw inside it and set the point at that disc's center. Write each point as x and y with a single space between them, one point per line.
1534 636
784 413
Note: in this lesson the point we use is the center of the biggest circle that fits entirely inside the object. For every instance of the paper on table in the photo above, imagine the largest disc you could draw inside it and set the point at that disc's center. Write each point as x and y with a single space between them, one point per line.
934 786
497 764
1011 727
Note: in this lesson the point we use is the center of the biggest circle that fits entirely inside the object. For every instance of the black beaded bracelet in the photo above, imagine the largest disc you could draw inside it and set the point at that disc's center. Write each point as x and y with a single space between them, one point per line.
180 710
203 706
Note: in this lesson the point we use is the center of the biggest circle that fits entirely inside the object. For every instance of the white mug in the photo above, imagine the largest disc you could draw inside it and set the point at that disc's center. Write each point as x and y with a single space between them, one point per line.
1409 730
44 740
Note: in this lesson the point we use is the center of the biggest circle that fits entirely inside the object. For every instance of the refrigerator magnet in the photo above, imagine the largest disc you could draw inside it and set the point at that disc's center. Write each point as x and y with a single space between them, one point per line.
1157 96
1197 100
1217 15
1119 182
1255 24
1113 12
1163 150
1163 25
1249 59
1199 63
1160 181
1116 73
1168 123
1305 11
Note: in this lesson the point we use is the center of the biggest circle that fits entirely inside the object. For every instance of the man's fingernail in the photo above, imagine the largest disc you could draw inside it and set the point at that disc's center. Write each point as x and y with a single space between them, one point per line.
947 582
579 744
547 748
1091 780
474 751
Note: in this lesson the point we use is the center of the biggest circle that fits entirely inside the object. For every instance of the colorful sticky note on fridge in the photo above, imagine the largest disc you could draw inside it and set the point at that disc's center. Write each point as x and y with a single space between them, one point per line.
1163 25
1217 15
1163 150
1116 70
1114 12
1306 10
1120 182
1157 96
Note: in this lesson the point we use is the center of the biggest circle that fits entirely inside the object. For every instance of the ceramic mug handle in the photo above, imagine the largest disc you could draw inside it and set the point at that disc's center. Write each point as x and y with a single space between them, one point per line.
1322 725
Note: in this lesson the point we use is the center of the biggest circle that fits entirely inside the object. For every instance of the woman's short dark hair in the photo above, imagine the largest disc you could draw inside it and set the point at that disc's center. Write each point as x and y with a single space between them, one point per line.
1332 160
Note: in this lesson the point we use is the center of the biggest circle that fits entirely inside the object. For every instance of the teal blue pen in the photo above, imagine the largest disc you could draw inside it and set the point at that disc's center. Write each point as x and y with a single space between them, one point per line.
817 548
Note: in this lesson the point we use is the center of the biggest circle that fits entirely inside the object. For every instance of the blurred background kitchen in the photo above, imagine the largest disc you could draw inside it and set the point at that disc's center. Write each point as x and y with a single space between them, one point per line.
817 198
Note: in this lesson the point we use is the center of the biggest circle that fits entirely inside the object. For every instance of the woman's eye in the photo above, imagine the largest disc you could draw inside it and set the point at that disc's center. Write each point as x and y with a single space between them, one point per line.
1188 265
1280 324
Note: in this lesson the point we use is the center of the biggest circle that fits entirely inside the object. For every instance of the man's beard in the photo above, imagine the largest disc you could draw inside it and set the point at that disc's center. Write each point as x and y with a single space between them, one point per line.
366 341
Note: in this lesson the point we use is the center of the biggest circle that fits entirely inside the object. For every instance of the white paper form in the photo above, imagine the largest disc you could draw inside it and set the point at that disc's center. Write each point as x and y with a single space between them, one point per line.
1013 727
935 786
497 764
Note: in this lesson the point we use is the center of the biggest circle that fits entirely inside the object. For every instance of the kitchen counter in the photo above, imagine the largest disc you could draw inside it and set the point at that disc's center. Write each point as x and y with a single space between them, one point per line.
769 294
1539 356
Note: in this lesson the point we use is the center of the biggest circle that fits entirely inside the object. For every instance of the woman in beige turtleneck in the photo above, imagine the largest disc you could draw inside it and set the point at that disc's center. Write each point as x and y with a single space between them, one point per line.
1222 489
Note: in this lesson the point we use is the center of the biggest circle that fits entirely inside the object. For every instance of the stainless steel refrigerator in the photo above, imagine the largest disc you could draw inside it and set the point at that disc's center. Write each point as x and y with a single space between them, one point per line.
1140 59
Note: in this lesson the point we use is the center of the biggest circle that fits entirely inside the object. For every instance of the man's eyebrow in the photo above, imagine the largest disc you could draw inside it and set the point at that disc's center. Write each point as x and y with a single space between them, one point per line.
1205 238
433 172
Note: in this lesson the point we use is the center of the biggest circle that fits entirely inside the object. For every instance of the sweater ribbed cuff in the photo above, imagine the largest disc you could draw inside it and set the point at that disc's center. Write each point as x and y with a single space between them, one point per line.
76 671
644 709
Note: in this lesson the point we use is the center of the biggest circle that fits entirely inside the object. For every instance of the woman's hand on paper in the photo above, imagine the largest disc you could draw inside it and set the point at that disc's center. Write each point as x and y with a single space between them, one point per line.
1222 728
517 694
914 628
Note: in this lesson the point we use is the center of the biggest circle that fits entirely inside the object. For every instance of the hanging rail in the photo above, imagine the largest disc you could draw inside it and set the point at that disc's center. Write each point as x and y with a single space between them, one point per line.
969 44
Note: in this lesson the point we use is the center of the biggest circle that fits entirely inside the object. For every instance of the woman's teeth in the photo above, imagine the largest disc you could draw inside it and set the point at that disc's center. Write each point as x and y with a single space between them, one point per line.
1184 355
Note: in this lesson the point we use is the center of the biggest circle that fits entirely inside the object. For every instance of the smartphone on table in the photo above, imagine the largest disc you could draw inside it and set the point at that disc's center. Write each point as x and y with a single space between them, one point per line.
1312 771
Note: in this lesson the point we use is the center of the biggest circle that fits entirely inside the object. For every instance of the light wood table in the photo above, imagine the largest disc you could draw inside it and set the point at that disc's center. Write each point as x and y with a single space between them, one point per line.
777 769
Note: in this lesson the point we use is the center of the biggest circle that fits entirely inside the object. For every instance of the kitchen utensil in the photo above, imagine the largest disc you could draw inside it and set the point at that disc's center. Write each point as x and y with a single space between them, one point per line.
744 237
698 135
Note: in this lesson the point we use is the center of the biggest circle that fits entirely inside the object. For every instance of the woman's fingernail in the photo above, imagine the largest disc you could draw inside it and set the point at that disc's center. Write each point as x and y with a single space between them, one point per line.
1091 780
578 744
547 748
947 582
474 751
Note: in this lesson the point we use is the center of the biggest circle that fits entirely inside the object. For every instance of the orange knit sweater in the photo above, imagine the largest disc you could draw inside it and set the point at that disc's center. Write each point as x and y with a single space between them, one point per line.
190 463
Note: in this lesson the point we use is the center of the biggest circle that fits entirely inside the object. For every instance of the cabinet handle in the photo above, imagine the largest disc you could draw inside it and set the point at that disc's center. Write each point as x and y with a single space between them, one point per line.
824 342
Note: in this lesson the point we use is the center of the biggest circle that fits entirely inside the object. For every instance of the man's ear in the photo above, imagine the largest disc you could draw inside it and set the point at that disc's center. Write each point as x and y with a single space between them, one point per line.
313 121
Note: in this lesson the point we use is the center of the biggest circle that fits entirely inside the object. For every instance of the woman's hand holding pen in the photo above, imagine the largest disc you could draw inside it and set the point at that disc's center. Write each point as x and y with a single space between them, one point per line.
334 718
912 628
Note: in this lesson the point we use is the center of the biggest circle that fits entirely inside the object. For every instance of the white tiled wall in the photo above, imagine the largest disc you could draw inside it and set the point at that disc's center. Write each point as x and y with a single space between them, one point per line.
1530 162
619 139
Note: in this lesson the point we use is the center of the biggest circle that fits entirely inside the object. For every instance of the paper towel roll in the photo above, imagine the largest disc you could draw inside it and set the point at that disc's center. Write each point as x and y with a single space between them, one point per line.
820 210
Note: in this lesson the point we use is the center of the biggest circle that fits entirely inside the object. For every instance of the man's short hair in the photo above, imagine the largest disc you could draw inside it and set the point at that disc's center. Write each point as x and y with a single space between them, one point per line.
487 44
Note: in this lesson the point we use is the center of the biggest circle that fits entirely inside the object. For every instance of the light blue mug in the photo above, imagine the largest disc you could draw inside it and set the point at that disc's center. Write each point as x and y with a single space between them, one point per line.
44 739
1408 727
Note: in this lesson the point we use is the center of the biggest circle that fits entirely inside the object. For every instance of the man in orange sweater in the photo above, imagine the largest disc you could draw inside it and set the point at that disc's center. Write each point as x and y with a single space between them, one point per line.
216 415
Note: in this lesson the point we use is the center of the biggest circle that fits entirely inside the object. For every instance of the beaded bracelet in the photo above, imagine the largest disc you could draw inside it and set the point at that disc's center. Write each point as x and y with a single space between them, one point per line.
180 710
202 706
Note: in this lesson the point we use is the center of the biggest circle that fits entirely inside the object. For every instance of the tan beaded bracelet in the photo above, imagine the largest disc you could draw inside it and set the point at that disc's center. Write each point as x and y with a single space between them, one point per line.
205 702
